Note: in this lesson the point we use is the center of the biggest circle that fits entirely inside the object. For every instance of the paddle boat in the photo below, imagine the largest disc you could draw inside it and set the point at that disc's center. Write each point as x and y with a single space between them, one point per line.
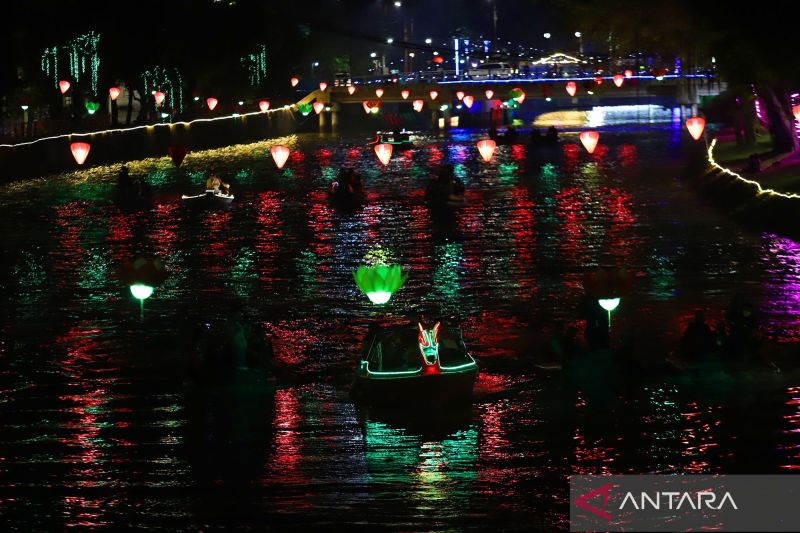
210 198
399 139
403 365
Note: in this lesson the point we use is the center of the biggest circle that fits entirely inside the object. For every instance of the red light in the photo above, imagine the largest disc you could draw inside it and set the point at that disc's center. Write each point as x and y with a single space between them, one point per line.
379 92
159 96
294 81
619 79
318 107
263 105
367 107
589 140
384 152
598 80
438 60
572 88
489 93
351 89
113 92
323 86
404 93
696 125
433 94
628 74
796 112
63 86
468 101
211 102
280 154
460 95
486 148
418 105
80 151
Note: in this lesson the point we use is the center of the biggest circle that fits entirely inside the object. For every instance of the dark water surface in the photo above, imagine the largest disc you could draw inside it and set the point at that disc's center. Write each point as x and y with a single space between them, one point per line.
97 429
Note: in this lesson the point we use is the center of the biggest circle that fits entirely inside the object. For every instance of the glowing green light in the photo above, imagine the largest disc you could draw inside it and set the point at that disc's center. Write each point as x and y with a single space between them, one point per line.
379 297
609 304
141 291
92 107
24 107
380 282
304 109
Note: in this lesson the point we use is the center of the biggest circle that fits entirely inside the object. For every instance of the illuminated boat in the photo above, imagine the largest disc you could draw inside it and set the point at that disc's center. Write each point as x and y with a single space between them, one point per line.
209 198
399 139
407 365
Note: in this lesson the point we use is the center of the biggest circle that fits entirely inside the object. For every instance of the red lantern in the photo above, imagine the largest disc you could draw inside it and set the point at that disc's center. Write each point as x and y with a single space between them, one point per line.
318 107
384 152
521 97
80 151
177 153
159 96
63 86
404 93
367 107
619 79
489 93
211 102
323 86
659 73
378 92
280 154
294 81
460 95
438 60
468 101
589 140
351 89
696 125
486 148
598 80
572 88
796 112
628 74
263 105
433 94
113 92
418 105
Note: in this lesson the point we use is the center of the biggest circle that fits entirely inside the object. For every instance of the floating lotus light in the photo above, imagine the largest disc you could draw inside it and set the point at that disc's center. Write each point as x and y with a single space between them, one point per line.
572 88
628 74
589 139
380 282
63 86
177 153
468 101
263 105
460 95
367 107
142 275
433 95
619 79
211 102
323 86
696 125
489 93
351 89
418 104
113 92
609 304
517 94
280 154
159 97
305 109
404 93
318 107
80 151
294 81
378 92
486 147
91 107
384 152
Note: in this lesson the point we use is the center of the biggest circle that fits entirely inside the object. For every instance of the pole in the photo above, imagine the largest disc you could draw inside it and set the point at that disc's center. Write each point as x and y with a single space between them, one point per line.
141 309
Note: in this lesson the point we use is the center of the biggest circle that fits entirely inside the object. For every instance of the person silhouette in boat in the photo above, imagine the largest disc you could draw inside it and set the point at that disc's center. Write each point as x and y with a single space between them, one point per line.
552 135
124 181
698 340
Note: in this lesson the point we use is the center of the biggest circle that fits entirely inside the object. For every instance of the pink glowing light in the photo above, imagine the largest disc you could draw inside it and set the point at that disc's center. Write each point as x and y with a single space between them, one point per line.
80 151
294 81
159 97
433 95
619 79
263 105
323 86
628 74
418 104
589 140
405 93
486 147
572 88
489 93
468 101
318 107
211 102
378 92
113 92
280 154
63 86
696 125
460 95
384 152
351 89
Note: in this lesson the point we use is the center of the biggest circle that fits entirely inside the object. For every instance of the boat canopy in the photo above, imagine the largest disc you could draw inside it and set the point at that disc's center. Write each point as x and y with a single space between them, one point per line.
405 349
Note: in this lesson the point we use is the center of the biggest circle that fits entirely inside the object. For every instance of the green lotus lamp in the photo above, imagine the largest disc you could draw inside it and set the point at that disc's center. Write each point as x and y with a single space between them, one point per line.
141 292
305 109
609 304
92 107
379 282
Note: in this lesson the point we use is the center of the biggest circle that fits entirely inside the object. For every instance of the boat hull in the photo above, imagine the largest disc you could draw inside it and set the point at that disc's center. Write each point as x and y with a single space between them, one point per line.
431 389
208 199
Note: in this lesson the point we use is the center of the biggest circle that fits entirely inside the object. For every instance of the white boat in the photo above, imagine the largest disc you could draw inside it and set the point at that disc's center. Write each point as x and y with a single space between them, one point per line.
210 197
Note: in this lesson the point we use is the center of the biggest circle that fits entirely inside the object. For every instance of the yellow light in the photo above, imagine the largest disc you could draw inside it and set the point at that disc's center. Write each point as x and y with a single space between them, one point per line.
761 190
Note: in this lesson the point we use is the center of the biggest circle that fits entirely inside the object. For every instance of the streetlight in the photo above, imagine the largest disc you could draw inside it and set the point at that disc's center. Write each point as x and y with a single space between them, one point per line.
398 4
547 35
579 36
389 40
428 40
313 64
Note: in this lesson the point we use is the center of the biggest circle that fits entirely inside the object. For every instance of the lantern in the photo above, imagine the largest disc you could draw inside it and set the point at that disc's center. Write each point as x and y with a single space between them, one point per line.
589 140
598 80
91 107
379 92
460 95
433 95
63 86
609 304
438 60
367 107
351 89
696 125
517 94
379 282
489 93
323 86
572 88
468 101
628 74
280 154
80 151
619 79
177 153
159 97
263 105
305 109
294 81
796 112
113 92
318 107
486 148
384 152
404 93
211 102
418 105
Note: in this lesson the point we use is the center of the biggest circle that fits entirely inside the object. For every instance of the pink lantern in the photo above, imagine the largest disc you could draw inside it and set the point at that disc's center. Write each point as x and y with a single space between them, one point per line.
63 86
379 92
628 74
572 88
468 101
589 140
318 107
619 79
211 102
460 95
367 107
418 105
433 94
384 152
598 80
263 105
696 125
404 93
796 112
323 86
486 148
521 97
489 93
159 96
80 151
280 154
113 92
351 89
294 81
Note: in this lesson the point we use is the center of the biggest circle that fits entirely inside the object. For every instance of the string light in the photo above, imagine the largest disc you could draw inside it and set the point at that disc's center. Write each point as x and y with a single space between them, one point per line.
256 65
761 190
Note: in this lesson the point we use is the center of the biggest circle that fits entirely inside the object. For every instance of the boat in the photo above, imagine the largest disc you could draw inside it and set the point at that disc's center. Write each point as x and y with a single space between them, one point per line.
209 198
405 365
399 139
